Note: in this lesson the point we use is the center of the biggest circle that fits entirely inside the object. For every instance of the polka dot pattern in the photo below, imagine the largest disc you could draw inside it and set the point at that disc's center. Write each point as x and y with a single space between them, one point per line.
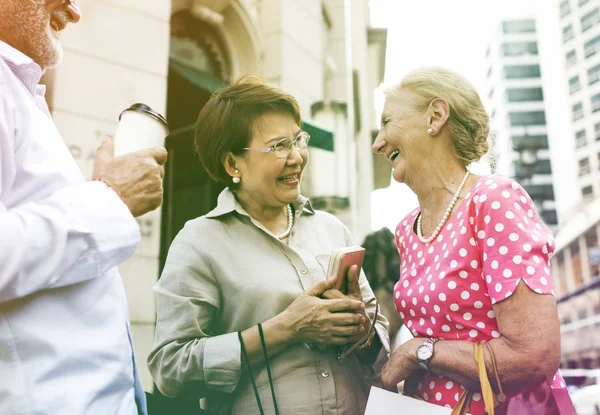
447 289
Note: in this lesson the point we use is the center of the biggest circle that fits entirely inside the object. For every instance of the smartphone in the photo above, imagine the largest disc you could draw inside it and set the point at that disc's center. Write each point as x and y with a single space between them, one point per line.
340 262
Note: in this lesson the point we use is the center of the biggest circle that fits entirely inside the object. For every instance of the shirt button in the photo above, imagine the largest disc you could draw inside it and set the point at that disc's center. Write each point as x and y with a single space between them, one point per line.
325 374
304 271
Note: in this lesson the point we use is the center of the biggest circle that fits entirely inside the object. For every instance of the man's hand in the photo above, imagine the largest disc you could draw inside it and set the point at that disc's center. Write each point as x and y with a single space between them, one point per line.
137 177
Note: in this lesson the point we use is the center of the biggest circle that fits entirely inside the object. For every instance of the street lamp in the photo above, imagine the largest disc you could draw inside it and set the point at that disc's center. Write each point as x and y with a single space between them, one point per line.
528 158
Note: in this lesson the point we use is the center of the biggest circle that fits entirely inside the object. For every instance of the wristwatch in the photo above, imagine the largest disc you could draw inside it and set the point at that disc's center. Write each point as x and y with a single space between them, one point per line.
425 353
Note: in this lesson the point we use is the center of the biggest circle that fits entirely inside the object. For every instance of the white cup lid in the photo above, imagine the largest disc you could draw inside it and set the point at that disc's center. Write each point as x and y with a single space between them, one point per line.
143 108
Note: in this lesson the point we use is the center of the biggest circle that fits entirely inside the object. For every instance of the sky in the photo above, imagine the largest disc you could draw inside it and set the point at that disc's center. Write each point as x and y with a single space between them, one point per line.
452 34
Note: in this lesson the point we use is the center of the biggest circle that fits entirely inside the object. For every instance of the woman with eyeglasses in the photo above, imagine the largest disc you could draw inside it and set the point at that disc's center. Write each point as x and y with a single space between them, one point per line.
245 315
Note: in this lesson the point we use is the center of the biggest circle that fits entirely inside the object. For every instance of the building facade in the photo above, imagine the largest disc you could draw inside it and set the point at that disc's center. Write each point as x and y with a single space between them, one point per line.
569 35
515 101
576 262
580 29
576 273
171 55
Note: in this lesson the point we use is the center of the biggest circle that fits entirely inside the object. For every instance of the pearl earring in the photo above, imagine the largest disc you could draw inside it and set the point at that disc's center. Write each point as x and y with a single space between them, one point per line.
430 130
236 180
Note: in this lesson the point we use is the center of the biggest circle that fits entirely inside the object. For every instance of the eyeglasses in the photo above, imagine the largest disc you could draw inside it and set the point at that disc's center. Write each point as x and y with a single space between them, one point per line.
283 147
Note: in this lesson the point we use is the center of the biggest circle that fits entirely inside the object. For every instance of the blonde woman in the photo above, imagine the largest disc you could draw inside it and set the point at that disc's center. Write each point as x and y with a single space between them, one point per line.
474 254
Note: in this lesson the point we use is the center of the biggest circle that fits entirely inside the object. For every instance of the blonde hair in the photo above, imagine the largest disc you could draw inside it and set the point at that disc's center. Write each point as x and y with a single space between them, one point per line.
468 120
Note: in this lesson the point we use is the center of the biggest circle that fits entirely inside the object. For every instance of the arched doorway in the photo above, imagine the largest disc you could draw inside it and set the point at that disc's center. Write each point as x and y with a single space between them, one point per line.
198 64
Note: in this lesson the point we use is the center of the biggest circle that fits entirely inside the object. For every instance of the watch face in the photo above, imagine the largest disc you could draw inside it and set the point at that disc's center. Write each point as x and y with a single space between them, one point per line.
424 352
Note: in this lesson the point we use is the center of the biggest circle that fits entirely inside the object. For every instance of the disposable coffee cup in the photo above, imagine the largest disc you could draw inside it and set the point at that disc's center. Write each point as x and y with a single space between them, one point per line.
140 128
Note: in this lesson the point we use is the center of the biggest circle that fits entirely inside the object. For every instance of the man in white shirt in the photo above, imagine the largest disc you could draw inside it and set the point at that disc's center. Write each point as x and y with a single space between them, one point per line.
65 344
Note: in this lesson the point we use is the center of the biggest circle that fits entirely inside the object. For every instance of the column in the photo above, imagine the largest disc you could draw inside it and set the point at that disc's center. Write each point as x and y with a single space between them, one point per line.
568 262
584 259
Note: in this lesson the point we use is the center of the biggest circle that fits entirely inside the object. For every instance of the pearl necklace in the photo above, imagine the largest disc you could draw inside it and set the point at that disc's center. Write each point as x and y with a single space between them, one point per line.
437 230
290 224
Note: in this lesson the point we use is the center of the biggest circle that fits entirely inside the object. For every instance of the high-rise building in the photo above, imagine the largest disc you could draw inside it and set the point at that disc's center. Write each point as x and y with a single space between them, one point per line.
581 51
570 36
516 103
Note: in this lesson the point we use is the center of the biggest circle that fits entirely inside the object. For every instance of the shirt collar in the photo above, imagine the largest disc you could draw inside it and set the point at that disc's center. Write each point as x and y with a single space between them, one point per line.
24 68
227 203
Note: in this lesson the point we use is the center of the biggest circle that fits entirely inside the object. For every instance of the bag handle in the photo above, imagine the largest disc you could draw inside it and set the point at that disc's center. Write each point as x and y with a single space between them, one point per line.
487 393
363 339
249 367
264 347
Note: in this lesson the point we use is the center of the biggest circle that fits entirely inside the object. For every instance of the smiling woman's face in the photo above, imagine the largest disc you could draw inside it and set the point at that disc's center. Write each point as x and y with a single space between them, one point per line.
269 181
403 138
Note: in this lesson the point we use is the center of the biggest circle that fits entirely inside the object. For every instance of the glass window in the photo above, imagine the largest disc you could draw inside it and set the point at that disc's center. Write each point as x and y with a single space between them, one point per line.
541 167
540 191
582 2
580 139
584 166
524 94
571 58
521 71
597 131
574 84
567 33
590 19
519 26
587 190
550 217
577 111
537 141
565 8
527 118
596 103
593 74
519 48
592 46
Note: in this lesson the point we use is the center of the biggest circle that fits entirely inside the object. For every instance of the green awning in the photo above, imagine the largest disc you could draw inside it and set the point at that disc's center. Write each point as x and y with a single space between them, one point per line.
319 137
201 79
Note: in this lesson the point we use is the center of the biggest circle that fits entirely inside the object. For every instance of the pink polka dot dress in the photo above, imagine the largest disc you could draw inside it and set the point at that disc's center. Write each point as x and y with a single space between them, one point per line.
493 240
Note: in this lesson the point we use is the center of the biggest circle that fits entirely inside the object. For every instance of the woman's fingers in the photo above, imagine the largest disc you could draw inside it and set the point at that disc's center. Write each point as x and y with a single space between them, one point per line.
353 284
348 331
347 304
319 288
333 294
347 319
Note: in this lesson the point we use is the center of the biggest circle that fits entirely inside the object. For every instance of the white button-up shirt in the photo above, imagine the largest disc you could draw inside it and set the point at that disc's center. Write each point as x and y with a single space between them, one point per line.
65 346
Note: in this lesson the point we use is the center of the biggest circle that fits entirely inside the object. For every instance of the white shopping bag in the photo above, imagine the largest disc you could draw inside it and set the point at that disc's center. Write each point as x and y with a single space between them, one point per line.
382 402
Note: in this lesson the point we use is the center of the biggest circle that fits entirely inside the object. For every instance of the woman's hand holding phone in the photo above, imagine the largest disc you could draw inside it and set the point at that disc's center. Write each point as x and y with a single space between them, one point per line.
354 293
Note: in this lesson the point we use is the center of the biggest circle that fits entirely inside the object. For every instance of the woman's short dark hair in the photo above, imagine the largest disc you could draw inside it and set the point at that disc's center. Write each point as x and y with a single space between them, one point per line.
226 122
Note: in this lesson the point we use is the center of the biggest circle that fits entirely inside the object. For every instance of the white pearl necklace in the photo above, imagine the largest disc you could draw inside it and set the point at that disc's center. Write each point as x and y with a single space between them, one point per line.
437 230
290 224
